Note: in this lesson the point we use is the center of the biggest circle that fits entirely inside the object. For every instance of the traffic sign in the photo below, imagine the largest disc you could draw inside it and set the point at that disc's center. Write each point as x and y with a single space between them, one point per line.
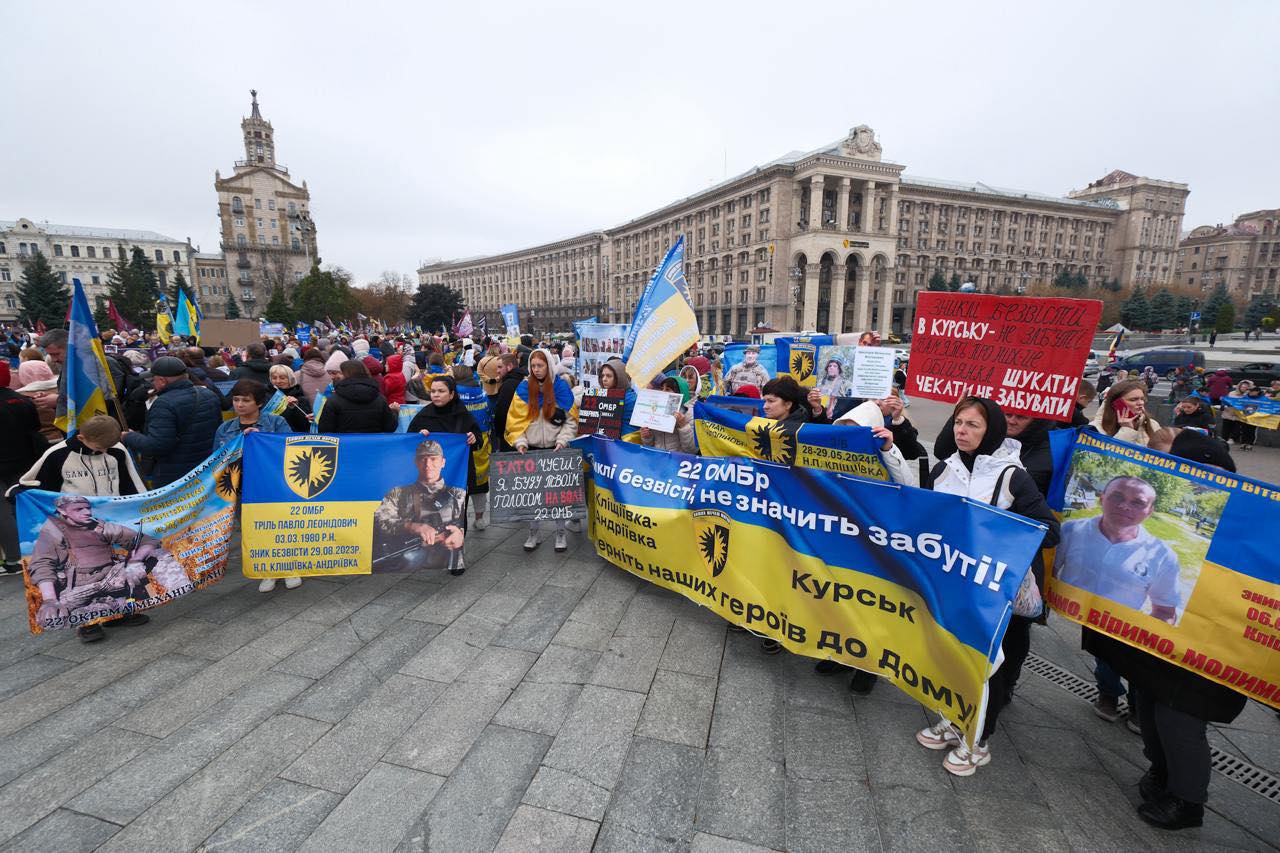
1195 315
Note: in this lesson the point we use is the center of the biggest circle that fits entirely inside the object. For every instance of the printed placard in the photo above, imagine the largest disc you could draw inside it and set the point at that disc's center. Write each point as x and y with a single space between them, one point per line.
655 410
865 372
1026 353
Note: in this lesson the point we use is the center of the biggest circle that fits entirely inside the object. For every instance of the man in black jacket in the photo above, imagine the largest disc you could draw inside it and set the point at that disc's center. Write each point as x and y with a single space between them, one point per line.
180 423
22 445
510 375
256 366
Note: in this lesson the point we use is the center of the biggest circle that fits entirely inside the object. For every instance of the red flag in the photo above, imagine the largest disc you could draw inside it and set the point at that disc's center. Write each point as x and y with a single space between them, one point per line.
117 319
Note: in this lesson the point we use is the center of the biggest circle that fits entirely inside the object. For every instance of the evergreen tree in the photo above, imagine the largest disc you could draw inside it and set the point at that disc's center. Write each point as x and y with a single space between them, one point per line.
434 305
134 289
100 316
937 281
1209 313
1062 279
278 309
1136 311
233 308
44 298
1183 307
321 294
1112 285
1263 305
1163 315
954 284
1226 317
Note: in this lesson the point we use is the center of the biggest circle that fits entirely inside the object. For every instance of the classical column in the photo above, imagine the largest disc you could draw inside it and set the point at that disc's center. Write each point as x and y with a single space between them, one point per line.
869 208
835 315
885 326
816 185
810 310
893 210
862 294
842 205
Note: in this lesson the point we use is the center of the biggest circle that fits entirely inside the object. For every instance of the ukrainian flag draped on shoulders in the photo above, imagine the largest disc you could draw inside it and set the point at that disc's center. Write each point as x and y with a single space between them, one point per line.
664 325
88 379
523 412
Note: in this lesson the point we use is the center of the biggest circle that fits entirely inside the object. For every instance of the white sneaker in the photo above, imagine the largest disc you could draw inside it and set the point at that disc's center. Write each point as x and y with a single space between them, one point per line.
573 525
941 735
963 761
292 583
531 542
267 585
562 541
481 522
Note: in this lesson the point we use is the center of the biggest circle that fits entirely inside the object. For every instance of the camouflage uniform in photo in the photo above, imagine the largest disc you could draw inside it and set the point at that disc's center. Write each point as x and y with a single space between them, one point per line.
433 504
84 568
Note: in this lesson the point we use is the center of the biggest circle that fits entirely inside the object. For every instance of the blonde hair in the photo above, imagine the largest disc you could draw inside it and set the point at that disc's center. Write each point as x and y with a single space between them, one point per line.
284 370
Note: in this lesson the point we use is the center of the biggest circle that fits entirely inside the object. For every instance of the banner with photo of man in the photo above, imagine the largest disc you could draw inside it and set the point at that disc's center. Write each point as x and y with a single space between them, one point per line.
1258 411
1170 557
352 504
798 356
909 584
597 343
842 449
88 560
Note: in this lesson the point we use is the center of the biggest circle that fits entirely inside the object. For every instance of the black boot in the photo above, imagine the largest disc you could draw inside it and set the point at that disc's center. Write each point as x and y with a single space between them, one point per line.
1152 786
829 667
862 683
1170 812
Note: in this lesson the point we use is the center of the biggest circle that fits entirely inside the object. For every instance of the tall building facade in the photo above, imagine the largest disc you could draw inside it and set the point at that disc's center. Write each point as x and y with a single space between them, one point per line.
835 239
85 253
1244 256
267 235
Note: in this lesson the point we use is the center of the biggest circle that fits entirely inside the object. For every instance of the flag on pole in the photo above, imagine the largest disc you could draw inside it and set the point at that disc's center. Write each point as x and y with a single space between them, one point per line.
465 327
482 327
182 317
1115 345
117 319
88 379
164 318
664 325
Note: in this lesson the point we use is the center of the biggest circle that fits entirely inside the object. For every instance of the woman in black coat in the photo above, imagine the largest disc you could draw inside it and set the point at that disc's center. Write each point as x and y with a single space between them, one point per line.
446 413
357 404
1194 412
295 414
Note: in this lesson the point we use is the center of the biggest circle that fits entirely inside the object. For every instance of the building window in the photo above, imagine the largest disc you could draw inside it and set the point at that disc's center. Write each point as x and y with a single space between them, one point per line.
259 221
75 251
237 206
5 275
57 250
275 240
257 202
293 209
262 239
1 247
106 251
297 245
96 280
91 251
241 240
271 204
62 276
273 223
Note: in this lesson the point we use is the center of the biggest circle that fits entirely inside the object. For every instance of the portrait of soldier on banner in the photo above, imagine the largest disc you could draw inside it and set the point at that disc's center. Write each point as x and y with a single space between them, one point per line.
1134 536
421 525
83 570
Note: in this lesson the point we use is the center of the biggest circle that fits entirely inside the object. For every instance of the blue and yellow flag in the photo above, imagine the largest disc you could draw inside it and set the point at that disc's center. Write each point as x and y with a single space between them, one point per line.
1258 411
186 321
164 318
521 414
664 325
88 378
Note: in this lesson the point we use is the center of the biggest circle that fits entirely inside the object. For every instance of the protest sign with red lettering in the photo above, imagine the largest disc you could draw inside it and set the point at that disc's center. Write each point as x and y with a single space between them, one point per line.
600 412
1027 353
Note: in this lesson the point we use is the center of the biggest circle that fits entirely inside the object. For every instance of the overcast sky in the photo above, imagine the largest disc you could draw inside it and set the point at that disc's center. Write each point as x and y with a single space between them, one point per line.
453 129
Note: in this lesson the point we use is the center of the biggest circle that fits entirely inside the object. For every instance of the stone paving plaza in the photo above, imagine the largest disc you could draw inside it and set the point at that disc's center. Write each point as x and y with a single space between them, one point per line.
539 702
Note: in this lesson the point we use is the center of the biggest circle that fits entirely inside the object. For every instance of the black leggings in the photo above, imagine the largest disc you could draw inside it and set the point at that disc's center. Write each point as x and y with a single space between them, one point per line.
1016 645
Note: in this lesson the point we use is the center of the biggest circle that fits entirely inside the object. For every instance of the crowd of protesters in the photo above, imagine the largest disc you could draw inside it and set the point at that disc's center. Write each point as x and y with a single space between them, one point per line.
171 415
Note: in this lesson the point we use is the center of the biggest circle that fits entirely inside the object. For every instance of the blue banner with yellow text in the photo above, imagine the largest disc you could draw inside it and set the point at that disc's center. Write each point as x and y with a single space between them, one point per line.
909 584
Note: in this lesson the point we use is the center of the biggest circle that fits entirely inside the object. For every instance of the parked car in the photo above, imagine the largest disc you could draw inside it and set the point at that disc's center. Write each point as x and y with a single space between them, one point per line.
1091 366
1165 361
1258 372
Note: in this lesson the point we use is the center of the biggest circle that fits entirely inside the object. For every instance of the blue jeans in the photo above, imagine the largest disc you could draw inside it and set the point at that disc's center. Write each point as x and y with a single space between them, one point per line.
1109 683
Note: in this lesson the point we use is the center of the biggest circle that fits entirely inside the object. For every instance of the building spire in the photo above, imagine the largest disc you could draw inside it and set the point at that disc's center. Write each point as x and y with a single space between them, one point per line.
256 114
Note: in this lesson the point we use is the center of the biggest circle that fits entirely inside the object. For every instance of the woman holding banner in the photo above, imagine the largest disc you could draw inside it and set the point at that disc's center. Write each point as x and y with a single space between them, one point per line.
541 417
681 439
613 376
247 399
986 467
447 413
296 410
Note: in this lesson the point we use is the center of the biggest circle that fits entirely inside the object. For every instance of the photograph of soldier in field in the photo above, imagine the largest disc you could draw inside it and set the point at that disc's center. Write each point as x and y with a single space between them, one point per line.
421 525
